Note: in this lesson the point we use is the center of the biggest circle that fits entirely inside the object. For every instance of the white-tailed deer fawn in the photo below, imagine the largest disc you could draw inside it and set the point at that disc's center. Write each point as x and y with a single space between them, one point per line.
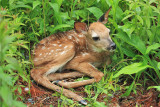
82 49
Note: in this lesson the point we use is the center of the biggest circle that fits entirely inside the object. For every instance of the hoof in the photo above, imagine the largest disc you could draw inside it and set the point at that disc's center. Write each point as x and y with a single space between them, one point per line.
83 102
55 82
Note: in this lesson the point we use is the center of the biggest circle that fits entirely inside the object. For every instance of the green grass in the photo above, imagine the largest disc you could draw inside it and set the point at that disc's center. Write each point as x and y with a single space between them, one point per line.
135 28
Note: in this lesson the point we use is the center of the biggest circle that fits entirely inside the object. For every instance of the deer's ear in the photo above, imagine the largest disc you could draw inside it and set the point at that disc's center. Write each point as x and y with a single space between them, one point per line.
80 27
104 17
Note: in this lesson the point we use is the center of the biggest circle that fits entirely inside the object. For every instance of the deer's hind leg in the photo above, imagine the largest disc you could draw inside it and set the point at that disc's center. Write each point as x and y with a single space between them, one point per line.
39 75
60 76
87 69
44 81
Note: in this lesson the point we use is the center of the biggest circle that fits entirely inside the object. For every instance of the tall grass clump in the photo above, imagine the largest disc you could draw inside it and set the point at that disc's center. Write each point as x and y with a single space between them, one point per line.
138 38
11 63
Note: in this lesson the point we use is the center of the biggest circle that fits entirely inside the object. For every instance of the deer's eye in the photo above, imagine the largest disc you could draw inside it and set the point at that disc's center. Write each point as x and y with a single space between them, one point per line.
96 38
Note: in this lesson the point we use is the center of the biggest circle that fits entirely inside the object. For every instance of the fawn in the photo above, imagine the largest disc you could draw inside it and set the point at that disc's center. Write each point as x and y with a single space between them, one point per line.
82 49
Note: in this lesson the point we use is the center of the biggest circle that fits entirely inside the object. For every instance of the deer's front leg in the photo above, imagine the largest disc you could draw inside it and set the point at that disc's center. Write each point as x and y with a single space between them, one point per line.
87 69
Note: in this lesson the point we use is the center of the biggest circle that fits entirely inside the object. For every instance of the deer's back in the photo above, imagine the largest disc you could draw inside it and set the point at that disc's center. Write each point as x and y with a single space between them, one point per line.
57 45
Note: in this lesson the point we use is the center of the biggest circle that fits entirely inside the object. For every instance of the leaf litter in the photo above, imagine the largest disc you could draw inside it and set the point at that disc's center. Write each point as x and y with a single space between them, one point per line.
39 96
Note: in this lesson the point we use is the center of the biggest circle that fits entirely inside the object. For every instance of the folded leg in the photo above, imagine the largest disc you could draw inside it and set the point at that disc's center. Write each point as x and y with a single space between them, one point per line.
44 81
60 76
85 68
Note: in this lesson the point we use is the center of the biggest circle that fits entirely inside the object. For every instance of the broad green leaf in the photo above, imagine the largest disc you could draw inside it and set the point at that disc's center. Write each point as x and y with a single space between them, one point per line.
151 36
21 6
152 47
119 13
18 104
140 19
99 104
130 15
59 2
138 43
59 27
115 2
126 28
6 95
155 9
138 10
5 77
96 12
13 61
75 2
25 46
128 90
109 2
158 65
152 1
132 29
157 87
123 35
64 15
132 5
132 69
81 13
128 52
36 3
148 22
54 6
57 14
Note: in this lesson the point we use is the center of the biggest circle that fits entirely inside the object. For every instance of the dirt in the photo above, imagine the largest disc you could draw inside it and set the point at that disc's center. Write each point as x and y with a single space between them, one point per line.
39 96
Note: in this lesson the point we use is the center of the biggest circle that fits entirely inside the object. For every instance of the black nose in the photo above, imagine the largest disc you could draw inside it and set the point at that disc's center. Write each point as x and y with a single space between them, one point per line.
113 46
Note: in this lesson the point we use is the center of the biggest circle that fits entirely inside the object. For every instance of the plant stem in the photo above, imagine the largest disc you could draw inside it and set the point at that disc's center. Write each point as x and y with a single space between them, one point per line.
44 17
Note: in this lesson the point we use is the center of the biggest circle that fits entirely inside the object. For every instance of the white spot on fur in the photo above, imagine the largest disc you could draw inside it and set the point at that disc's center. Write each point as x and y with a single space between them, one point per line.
69 37
58 49
63 52
40 54
54 44
52 50
84 54
77 40
49 53
77 56
80 36
43 47
60 45
65 47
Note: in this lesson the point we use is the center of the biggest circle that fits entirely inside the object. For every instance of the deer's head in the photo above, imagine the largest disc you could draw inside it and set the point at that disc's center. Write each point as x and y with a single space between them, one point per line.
98 34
